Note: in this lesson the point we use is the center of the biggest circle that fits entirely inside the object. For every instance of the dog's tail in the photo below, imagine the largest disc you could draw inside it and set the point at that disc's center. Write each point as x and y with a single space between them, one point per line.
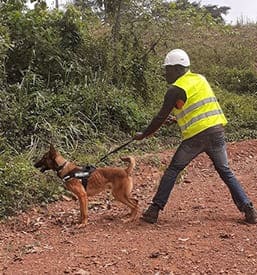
131 166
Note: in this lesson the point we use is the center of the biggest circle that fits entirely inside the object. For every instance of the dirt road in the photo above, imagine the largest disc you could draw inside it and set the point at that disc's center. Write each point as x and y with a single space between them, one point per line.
199 232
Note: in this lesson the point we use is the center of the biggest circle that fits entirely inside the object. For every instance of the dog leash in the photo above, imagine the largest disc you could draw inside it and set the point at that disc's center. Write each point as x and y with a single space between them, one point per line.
116 150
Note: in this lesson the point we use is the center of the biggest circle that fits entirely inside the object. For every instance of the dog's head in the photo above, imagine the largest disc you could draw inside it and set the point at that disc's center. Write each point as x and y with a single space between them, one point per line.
48 161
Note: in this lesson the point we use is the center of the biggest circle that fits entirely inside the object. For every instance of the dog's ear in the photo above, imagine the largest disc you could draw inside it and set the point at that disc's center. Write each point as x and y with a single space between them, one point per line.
52 150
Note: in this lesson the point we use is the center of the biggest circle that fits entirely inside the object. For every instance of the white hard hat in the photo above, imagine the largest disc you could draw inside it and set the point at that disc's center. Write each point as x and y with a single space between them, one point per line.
177 57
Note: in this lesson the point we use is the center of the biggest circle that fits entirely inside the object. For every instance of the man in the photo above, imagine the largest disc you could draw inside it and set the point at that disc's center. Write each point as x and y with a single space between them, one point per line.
201 122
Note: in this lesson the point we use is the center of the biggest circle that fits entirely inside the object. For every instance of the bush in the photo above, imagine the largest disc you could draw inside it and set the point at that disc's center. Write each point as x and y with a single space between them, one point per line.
4 45
236 80
23 186
71 115
241 112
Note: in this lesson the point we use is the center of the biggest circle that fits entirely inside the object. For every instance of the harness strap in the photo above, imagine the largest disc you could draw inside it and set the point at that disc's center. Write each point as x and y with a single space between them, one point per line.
83 174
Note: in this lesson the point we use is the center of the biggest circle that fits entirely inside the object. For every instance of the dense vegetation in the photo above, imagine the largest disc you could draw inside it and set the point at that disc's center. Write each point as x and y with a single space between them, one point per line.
89 77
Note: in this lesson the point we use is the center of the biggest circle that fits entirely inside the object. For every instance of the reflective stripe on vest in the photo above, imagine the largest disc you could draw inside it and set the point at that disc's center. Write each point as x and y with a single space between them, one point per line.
199 117
196 105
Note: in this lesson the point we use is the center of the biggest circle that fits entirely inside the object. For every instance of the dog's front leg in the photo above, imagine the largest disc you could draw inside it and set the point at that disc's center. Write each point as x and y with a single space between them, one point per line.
77 188
83 203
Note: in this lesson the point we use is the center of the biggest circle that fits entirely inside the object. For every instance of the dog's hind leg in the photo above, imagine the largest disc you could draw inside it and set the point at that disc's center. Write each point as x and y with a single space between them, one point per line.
130 202
133 205
121 191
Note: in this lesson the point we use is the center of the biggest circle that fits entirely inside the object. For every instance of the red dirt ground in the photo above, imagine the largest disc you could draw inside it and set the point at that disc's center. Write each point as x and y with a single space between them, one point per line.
199 232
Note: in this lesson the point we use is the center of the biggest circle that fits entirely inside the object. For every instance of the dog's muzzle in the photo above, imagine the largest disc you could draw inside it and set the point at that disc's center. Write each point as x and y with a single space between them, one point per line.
41 168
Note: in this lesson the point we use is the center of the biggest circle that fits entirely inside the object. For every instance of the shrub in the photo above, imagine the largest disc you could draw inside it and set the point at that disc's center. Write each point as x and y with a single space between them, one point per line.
71 115
4 45
241 113
23 186
240 81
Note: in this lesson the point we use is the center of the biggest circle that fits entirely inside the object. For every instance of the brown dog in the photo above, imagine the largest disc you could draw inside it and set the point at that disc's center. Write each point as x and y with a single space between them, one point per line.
118 179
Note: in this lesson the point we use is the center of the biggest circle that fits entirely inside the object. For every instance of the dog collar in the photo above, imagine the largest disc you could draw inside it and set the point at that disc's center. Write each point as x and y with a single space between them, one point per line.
60 167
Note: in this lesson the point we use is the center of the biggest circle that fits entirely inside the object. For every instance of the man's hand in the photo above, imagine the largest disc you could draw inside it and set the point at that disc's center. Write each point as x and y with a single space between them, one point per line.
138 136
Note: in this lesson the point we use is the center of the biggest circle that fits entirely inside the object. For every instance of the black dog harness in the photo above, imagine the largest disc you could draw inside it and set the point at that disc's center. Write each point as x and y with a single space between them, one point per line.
82 173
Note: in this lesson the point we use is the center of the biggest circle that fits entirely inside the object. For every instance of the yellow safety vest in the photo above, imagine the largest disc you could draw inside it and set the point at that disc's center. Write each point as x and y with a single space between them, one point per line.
201 109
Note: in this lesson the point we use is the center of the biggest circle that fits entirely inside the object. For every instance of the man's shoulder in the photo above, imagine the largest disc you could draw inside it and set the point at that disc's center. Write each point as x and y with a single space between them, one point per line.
174 89
176 92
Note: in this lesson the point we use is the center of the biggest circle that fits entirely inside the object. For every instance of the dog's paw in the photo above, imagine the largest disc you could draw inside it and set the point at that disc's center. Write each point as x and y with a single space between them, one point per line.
126 220
81 225
129 220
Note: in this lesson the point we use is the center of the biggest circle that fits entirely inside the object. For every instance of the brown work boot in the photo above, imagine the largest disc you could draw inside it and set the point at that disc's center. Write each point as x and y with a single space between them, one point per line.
151 214
250 213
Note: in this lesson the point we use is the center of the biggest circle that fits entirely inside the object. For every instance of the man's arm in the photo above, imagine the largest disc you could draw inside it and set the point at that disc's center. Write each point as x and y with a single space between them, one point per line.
172 96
